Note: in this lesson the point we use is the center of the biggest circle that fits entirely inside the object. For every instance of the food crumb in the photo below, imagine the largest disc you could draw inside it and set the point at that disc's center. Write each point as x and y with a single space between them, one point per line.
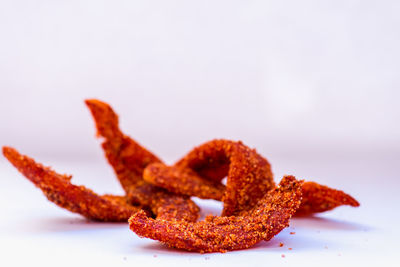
292 233
289 248
280 244
283 255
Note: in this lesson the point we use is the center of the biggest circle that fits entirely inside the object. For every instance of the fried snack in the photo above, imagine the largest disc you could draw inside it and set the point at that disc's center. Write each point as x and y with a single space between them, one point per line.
129 159
316 198
220 233
78 199
190 177
320 198
125 155
249 175
183 181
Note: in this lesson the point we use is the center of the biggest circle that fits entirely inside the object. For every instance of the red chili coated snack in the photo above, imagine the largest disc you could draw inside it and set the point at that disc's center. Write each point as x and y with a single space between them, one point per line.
320 198
254 208
199 174
224 233
79 199
183 181
129 159
249 175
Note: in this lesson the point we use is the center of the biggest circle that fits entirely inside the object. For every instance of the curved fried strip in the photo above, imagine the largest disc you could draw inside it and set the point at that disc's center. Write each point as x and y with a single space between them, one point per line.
129 160
216 233
126 156
316 198
164 204
249 175
79 199
182 181
320 198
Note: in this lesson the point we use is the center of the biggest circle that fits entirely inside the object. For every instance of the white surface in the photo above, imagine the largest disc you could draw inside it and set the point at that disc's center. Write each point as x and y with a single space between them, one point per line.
34 231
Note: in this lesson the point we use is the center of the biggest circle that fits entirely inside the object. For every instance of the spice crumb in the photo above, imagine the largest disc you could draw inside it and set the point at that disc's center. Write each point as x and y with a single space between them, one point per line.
281 244
292 233
289 248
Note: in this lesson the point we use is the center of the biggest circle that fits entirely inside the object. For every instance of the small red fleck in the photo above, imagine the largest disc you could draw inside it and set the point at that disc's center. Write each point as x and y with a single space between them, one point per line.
283 255
292 233
281 244
289 248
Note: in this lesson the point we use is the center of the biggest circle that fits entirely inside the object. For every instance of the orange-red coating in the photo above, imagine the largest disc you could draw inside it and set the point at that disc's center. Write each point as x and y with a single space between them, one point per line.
320 198
248 174
78 199
129 159
222 233
183 181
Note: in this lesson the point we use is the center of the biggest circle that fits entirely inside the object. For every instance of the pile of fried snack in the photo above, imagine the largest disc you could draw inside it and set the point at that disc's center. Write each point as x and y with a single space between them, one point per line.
157 201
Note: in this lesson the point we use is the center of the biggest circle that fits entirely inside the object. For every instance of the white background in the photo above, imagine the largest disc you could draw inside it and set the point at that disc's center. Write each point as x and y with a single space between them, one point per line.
313 85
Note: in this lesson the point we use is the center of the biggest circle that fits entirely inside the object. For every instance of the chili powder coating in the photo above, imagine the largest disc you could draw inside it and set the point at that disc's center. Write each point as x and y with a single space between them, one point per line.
183 181
249 175
129 159
224 233
320 198
254 209
78 199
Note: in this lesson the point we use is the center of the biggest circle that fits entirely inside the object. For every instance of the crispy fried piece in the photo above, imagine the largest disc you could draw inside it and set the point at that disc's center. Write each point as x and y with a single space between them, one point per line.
129 159
249 175
125 155
182 181
320 198
164 204
79 199
220 234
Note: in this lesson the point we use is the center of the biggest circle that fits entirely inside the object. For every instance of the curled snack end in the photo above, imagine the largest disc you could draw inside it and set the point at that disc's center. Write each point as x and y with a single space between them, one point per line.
321 198
78 199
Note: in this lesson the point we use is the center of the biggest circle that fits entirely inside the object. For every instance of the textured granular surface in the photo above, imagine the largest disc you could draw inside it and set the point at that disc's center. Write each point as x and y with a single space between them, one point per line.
78 199
223 233
157 197
129 159
320 198
183 181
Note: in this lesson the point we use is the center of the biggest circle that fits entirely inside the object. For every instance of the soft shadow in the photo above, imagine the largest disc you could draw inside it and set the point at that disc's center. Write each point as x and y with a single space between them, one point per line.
316 222
65 224
161 249
298 242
